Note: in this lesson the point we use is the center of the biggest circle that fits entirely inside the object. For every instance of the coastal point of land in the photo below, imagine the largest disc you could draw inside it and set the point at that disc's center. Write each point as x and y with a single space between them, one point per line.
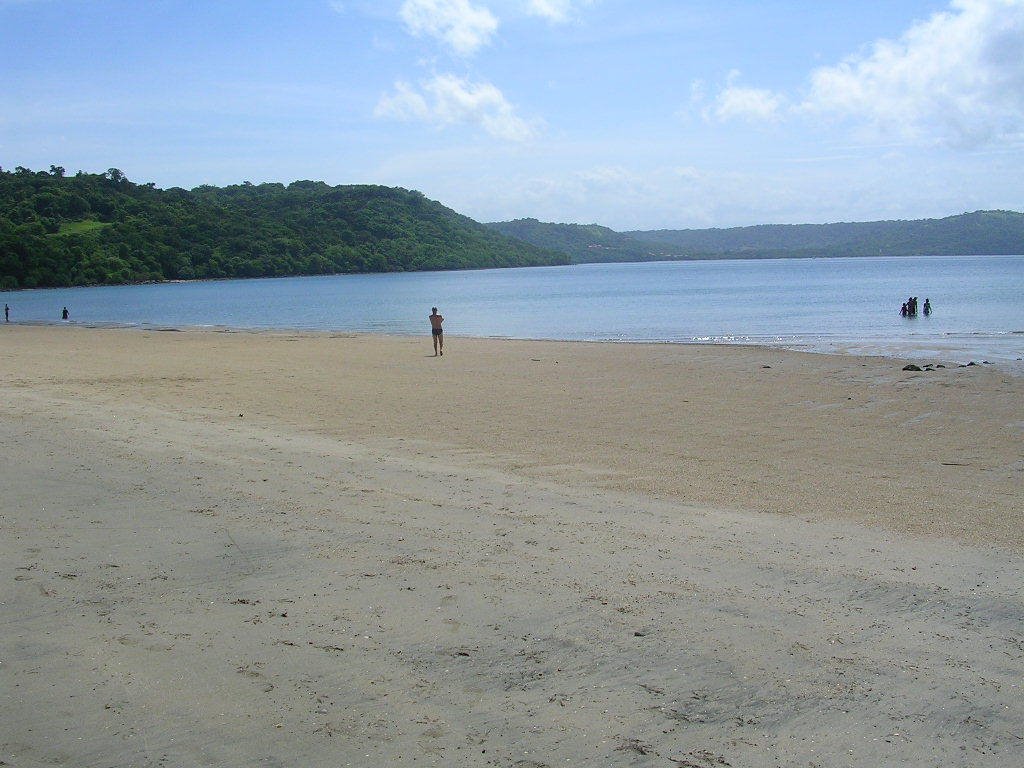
229 548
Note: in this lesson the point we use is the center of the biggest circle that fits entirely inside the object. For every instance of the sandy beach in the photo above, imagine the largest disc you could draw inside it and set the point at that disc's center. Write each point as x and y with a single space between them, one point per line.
285 549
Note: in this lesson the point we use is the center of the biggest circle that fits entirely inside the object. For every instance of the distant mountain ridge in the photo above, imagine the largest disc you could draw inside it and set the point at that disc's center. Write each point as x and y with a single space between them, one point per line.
966 234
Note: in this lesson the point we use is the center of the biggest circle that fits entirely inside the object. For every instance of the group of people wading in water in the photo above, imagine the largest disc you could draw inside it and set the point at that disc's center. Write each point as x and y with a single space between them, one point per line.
909 308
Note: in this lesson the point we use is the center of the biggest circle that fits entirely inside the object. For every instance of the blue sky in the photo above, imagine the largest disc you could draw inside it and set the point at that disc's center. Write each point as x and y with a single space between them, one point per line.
643 114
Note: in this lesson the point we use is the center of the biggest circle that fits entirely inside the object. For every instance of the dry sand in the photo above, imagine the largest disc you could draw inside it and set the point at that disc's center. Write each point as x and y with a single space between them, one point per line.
317 550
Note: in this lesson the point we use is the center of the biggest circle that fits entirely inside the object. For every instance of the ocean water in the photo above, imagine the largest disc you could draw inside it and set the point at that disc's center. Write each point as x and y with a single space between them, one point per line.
846 304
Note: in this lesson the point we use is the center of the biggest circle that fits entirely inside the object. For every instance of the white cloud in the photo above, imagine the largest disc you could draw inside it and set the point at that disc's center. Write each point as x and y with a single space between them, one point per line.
447 100
553 10
465 28
957 77
404 104
737 102
754 104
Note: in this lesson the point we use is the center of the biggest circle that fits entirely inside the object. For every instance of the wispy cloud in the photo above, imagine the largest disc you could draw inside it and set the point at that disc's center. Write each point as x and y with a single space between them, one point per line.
737 102
556 11
448 100
628 198
461 26
756 104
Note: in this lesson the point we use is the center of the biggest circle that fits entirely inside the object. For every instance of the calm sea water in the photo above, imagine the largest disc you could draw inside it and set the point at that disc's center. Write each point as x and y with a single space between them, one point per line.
849 305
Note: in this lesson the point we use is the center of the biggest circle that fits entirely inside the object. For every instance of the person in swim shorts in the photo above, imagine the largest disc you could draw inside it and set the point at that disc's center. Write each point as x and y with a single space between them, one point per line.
436 331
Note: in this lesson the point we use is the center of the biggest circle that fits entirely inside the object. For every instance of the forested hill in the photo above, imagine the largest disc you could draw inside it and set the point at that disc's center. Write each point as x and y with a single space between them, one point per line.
582 242
978 233
58 230
982 232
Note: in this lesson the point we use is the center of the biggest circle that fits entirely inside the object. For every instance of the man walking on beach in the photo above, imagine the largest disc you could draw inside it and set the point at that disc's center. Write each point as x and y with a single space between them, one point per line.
436 331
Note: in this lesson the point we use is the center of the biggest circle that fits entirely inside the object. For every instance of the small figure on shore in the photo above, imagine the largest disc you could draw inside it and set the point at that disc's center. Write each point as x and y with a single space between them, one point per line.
436 332
927 307
64 314
7 313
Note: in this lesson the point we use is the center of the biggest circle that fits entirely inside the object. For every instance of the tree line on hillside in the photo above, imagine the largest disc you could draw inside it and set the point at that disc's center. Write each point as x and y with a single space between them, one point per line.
978 233
583 243
989 233
86 229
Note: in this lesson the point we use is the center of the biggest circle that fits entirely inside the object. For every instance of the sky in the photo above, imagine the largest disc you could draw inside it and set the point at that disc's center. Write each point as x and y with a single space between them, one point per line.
634 114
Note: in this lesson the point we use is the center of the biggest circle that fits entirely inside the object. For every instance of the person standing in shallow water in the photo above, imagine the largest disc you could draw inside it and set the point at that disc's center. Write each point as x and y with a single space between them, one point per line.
64 314
436 331
7 313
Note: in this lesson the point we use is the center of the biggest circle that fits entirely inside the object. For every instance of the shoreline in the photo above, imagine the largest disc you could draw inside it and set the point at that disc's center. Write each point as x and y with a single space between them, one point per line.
905 351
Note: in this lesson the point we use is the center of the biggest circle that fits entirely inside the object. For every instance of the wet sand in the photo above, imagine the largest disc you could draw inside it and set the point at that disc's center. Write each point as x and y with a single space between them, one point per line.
284 549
